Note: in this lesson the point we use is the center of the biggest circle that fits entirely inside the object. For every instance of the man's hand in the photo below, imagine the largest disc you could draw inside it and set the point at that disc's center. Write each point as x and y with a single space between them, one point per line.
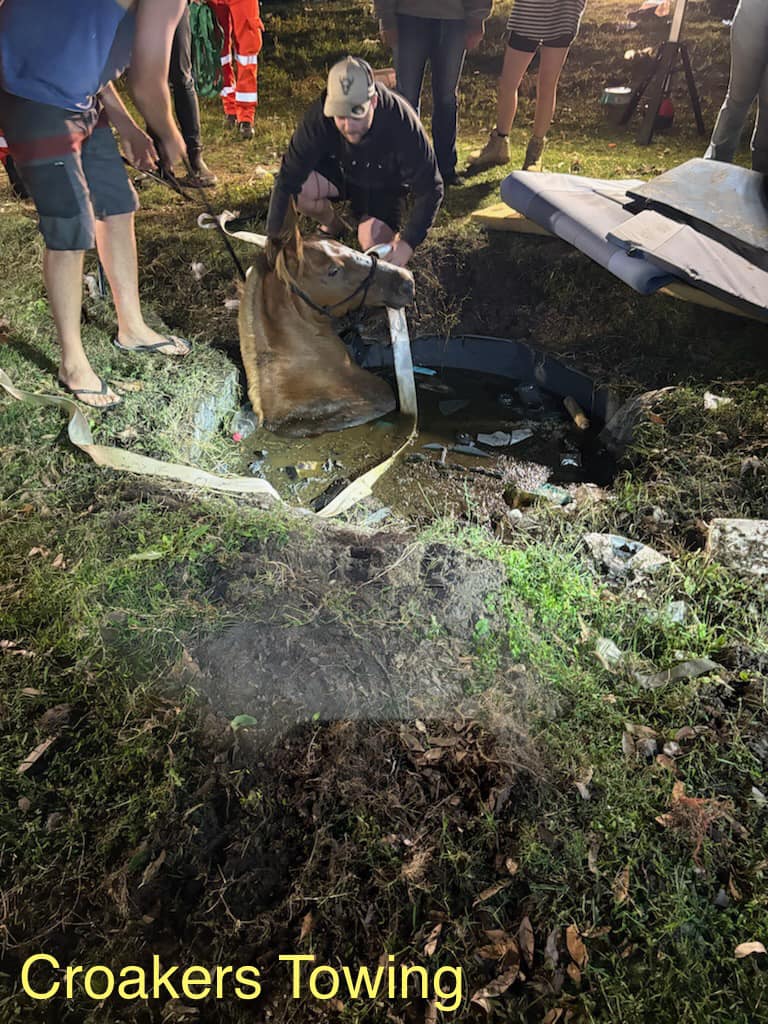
474 37
388 36
139 148
173 149
400 254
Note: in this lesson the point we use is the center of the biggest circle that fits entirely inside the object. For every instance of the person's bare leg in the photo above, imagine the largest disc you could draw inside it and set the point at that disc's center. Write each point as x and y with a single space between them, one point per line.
515 65
314 200
551 61
372 232
63 276
116 243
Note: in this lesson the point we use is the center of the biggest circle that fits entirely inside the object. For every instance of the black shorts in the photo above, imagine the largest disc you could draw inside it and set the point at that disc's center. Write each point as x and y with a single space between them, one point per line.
526 45
383 204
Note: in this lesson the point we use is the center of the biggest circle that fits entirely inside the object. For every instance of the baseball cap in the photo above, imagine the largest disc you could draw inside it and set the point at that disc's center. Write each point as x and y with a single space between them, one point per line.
350 88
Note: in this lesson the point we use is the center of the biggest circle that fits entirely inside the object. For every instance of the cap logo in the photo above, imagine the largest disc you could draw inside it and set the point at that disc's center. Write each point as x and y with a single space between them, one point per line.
346 84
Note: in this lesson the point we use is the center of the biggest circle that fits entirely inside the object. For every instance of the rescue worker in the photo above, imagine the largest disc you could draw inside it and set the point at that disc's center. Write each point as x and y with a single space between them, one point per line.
361 142
242 27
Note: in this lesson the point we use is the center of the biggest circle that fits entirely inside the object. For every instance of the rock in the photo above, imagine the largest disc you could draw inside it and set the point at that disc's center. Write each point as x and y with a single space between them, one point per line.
620 556
620 428
740 544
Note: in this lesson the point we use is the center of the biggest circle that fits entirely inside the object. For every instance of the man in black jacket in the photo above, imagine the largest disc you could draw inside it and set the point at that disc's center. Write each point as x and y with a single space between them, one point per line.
361 142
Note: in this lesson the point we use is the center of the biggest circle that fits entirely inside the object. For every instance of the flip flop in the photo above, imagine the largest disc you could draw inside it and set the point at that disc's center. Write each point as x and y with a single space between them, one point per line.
79 392
157 347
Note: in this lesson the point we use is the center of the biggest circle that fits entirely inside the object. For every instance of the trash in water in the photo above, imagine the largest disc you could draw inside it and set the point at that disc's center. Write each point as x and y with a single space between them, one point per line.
330 464
530 396
437 386
301 470
433 446
557 494
244 423
571 460
451 405
425 370
502 439
576 412
463 438
469 449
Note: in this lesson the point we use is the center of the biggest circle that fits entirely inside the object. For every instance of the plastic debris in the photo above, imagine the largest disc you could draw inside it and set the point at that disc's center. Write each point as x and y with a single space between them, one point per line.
451 405
377 517
619 555
608 654
301 470
197 270
425 371
437 386
691 669
712 402
558 495
571 460
470 449
244 423
502 439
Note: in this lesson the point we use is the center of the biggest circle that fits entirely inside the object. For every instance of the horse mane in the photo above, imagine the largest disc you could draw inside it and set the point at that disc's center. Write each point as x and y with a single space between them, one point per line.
290 248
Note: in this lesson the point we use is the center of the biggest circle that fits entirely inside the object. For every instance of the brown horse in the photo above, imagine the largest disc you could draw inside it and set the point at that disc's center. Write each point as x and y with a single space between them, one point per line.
301 380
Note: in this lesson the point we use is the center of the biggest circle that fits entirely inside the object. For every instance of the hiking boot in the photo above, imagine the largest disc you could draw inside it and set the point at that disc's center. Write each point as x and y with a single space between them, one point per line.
534 153
493 154
245 129
201 175
231 121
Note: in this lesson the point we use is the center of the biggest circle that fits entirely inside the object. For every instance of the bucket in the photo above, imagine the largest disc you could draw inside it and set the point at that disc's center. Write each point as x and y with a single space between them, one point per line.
614 102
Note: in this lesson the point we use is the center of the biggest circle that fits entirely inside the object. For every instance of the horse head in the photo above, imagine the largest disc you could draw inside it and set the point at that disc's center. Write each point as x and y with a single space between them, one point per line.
301 379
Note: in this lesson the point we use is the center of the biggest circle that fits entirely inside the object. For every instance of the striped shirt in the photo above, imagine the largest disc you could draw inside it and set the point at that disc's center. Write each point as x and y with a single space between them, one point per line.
546 19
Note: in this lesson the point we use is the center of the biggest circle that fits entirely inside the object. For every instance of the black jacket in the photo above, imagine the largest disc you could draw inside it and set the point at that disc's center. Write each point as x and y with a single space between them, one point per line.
394 155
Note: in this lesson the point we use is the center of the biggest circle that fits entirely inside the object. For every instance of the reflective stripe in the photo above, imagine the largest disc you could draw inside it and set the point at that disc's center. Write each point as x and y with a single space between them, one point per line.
247 60
247 97
227 59
227 90
3 142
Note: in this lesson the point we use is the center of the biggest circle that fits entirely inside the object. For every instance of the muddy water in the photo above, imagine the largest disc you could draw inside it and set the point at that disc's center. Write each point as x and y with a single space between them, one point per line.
448 468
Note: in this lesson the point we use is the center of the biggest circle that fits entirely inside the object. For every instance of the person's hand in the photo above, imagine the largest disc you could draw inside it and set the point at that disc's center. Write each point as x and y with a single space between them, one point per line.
139 148
388 36
173 149
474 37
400 254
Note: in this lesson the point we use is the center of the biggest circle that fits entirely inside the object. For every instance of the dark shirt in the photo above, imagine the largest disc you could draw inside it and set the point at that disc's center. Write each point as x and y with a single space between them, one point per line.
395 154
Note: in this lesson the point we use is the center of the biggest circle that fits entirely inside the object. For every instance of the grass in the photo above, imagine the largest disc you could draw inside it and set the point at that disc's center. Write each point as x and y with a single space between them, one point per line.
150 825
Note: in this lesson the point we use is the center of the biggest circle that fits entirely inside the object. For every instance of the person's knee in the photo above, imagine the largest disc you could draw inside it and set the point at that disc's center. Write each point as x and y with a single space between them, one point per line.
372 231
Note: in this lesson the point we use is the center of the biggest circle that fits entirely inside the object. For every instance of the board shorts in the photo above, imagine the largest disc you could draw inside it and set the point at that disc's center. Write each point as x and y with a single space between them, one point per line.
71 166
526 45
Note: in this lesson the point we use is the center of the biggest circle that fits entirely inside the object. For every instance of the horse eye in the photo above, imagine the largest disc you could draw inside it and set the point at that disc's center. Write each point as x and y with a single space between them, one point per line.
333 271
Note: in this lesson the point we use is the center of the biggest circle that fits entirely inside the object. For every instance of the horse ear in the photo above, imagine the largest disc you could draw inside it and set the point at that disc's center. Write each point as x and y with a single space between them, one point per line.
289 247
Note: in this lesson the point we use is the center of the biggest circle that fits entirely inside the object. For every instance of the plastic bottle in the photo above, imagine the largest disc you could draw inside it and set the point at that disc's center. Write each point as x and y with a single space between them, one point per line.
244 423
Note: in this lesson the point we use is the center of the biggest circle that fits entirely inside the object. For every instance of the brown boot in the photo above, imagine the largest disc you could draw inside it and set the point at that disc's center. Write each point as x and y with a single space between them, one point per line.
534 152
494 153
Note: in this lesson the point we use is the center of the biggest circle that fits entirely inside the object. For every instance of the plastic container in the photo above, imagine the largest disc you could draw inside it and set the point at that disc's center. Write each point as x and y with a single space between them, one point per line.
614 102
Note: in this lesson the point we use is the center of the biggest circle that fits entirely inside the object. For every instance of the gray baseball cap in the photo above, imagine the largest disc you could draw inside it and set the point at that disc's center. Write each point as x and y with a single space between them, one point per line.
350 88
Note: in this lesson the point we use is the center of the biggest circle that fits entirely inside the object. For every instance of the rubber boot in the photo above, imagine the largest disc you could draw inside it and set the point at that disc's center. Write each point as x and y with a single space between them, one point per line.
245 129
201 175
493 154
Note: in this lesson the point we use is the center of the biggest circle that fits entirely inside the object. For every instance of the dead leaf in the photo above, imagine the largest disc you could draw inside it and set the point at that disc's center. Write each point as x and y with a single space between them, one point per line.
574 973
12 647
128 385
592 852
620 887
34 755
526 939
307 924
576 947
38 551
486 894
54 718
666 762
641 732
500 946
31 691
58 562
628 744
551 949
733 889
748 948
152 868
430 946
596 931
511 865
430 1014
553 1015
496 988
583 791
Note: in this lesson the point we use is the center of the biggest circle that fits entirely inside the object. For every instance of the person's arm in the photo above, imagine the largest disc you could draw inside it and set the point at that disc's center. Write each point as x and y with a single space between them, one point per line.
384 10
309 143
475 13
137 145
156 22
419 171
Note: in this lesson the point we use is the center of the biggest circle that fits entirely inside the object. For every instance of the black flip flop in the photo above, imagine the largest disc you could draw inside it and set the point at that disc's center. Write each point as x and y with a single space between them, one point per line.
157 347
78 392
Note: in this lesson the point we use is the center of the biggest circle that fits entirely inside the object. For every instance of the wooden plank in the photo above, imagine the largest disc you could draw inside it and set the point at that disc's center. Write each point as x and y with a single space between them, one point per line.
501 217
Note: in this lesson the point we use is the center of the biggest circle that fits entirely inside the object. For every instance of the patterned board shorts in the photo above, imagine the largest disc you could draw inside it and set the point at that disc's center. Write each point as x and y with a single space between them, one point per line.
71 166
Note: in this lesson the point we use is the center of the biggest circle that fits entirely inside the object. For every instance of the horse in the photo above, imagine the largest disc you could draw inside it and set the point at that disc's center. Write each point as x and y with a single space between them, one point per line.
301 379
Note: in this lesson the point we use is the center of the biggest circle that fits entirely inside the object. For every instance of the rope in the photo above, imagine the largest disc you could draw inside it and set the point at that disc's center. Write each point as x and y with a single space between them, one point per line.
207 41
